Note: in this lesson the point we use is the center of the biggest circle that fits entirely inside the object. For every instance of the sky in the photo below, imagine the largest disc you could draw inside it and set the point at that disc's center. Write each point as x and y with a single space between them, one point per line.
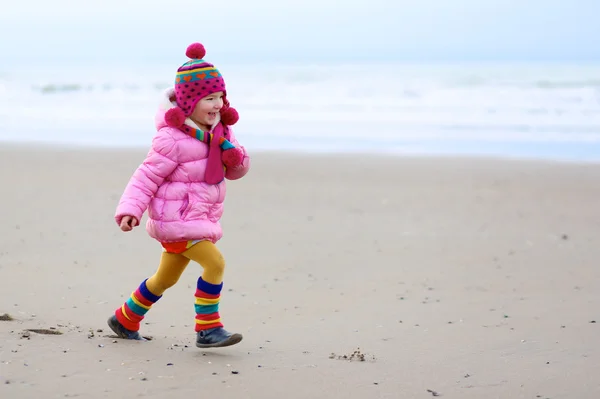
301 31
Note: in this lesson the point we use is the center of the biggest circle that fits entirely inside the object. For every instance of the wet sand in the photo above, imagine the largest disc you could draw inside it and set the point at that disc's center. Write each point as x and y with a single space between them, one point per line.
348 277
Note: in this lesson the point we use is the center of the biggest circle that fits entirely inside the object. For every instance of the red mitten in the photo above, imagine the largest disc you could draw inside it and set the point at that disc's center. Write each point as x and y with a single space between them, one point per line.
233 157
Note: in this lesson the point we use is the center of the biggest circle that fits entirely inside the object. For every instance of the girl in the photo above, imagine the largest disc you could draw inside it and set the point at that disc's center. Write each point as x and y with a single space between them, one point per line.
182 184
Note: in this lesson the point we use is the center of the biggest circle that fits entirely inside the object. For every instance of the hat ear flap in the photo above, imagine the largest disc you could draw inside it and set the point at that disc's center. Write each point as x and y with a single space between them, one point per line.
175 117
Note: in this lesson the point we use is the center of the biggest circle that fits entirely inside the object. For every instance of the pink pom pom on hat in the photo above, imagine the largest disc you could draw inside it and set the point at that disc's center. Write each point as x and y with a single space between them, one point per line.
175 117
229 116
195 51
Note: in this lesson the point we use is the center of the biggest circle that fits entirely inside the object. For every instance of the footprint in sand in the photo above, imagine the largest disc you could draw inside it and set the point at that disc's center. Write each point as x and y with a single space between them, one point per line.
44 331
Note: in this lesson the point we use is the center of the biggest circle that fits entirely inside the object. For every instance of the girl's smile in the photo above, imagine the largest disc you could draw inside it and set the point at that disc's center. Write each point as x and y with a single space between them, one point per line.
206 110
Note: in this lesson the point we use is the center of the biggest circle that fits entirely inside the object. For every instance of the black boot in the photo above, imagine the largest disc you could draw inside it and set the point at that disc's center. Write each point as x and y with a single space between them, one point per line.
216 337
122 332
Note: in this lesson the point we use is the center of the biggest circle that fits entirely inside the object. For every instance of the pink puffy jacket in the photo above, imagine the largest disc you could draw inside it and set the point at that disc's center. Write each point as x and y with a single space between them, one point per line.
170 184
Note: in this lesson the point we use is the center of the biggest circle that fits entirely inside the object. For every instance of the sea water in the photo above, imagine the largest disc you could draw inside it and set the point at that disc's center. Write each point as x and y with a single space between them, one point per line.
508 109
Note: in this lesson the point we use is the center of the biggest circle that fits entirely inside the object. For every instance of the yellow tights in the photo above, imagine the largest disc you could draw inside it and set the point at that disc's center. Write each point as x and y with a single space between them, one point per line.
172 266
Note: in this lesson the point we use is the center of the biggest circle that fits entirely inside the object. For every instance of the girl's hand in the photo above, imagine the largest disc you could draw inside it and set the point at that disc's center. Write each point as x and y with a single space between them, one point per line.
128 223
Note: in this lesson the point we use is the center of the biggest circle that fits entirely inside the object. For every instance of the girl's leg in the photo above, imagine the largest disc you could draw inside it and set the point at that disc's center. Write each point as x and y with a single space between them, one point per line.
132 312
169 271
210 258
208 290
208 295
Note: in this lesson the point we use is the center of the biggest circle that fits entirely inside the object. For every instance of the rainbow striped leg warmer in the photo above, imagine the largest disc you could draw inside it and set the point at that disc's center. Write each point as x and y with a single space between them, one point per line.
133 310
208 297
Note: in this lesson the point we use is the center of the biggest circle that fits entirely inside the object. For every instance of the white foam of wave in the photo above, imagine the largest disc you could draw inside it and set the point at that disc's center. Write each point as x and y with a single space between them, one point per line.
374 103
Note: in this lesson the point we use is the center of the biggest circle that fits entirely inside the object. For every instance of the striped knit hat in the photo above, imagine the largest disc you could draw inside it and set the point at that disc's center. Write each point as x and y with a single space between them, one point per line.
195 80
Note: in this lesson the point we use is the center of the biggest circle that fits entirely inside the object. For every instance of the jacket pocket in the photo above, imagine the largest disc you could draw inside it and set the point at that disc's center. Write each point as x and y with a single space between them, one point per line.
185 207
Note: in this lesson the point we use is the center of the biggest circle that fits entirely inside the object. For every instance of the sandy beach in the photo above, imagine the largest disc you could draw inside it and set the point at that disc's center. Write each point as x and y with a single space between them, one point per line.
349 277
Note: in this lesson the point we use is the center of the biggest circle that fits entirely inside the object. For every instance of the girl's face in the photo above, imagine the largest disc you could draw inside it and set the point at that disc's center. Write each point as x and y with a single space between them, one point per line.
207 109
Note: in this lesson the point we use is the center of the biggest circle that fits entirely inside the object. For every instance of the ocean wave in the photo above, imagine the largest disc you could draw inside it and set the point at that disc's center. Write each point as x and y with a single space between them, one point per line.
568 84
345 103
407 81
58 88
408 91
